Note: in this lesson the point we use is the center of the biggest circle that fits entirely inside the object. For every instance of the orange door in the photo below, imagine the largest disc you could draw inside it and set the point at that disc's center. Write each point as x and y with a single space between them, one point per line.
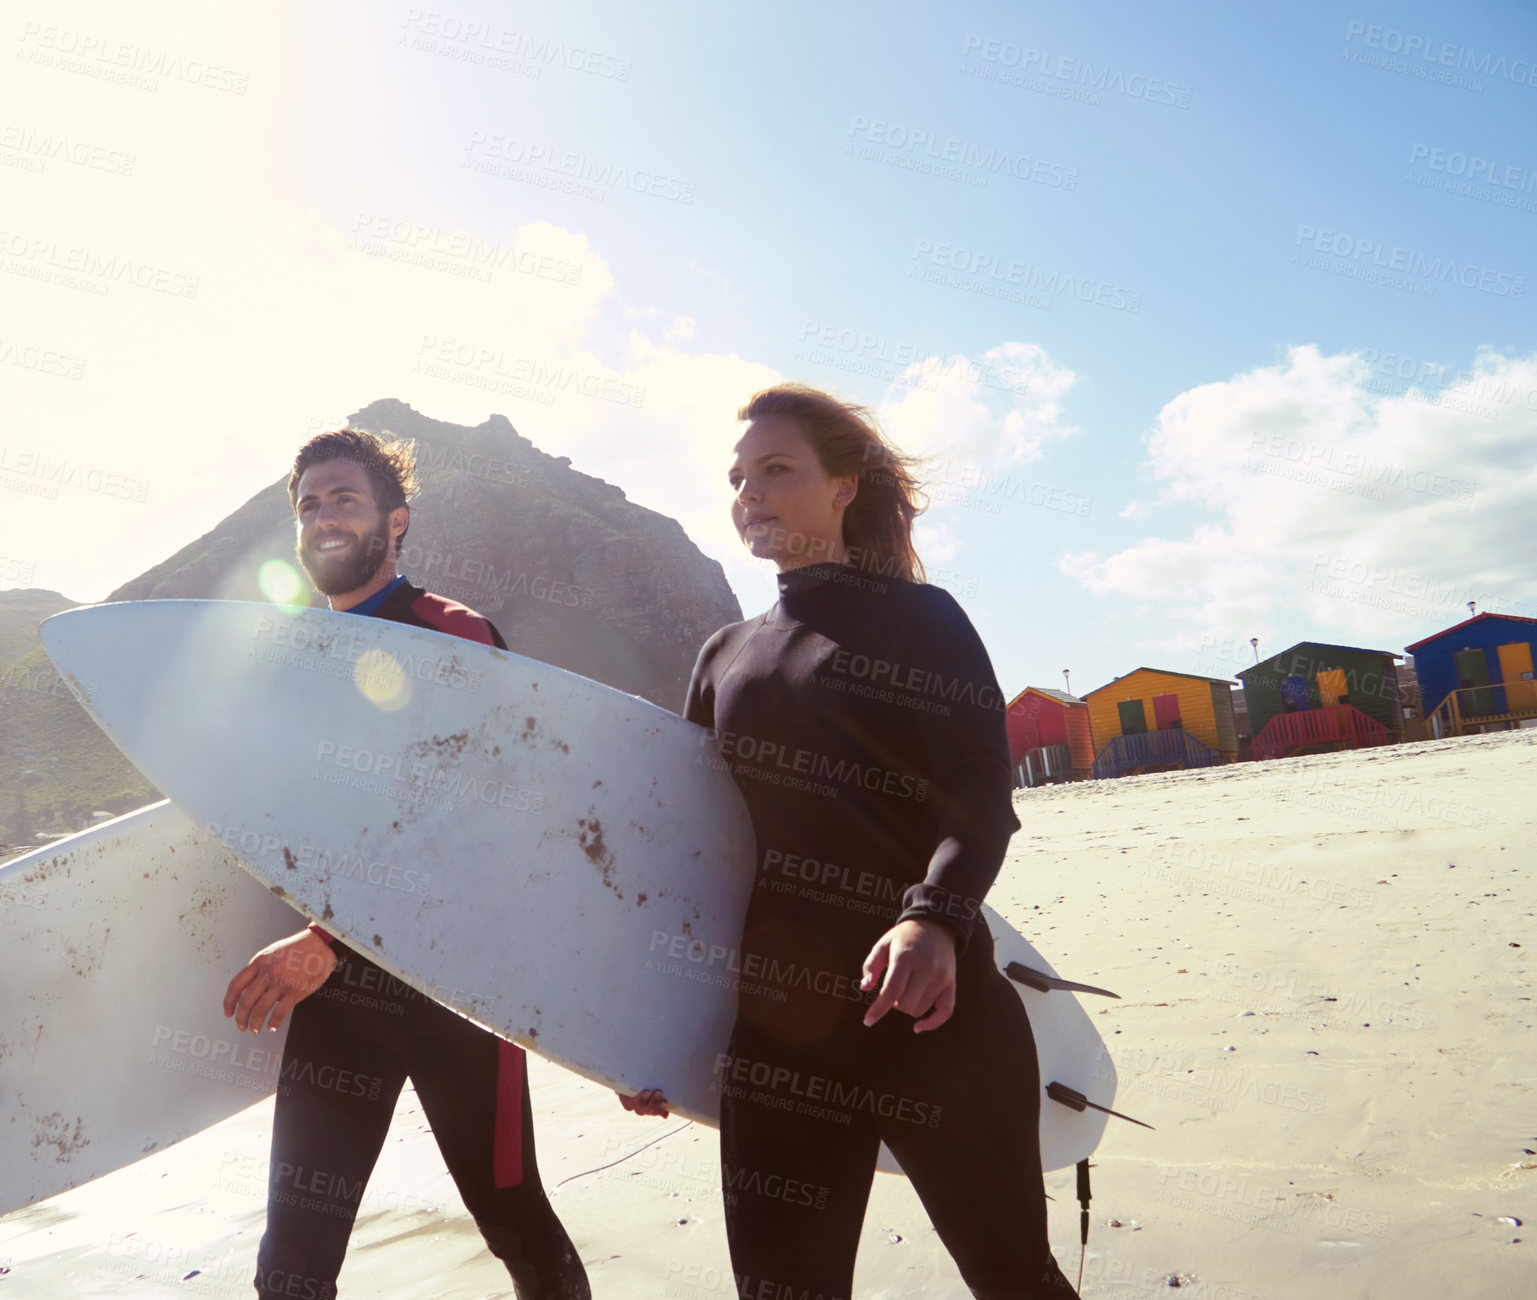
1516 673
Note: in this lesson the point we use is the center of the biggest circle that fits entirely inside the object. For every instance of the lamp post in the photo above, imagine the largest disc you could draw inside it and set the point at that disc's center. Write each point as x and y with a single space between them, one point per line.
1067 681
1254 641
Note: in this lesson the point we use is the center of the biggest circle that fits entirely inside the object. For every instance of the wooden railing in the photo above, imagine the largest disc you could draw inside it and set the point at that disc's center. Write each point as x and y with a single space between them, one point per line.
1152 748
1045 763
1454 715
1341 724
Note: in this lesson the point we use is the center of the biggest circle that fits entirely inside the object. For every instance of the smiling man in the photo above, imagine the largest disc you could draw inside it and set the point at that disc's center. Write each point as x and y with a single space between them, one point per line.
357 1033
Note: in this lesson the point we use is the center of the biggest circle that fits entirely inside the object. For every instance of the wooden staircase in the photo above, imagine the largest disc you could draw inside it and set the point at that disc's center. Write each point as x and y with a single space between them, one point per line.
1340 725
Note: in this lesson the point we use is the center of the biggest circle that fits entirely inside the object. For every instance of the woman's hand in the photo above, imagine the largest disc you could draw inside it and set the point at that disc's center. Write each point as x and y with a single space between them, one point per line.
918 958
648 1102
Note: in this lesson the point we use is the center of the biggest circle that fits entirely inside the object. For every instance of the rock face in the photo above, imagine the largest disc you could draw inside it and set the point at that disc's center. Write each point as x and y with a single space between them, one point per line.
568 569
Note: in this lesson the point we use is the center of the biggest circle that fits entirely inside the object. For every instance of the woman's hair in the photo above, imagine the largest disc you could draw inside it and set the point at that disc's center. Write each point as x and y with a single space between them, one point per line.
878 523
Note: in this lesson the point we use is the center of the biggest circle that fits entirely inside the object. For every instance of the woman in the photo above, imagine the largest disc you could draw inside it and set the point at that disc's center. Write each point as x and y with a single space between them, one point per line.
864 727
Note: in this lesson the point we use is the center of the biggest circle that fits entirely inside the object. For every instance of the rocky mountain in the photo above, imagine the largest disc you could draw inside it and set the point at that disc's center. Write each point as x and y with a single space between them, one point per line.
570 571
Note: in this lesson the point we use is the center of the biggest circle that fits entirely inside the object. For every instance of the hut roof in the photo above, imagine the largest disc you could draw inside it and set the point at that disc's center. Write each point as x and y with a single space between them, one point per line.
1060 696
1162 672
1436 636
1322 645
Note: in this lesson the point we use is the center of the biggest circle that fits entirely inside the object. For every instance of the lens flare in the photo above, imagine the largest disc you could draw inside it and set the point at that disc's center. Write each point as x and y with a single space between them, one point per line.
382 680
280 583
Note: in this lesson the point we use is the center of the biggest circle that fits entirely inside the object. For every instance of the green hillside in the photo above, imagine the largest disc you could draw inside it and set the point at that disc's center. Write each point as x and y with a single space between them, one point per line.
75 769
21 610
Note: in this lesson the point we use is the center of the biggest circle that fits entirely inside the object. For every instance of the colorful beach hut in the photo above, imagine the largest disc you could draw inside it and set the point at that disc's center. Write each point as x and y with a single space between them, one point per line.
1049 736
1154 719
1477 675
1315 697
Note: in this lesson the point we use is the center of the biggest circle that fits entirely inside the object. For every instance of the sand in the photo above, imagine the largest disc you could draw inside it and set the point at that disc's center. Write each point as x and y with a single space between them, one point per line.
1326 1012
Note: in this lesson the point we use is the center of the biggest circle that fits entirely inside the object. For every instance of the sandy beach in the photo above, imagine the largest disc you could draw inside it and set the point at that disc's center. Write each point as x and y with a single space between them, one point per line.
1326 1012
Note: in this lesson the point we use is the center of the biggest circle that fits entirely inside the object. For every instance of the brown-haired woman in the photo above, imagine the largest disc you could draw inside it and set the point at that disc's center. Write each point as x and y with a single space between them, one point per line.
865 730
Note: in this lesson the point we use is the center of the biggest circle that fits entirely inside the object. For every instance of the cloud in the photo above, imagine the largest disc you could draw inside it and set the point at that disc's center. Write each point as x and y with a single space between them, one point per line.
1370 514
999 410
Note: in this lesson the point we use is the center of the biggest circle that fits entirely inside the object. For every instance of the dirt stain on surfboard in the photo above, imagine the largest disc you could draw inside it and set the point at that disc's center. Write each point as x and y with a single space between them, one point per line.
530 726
55 1131
445 747
590 837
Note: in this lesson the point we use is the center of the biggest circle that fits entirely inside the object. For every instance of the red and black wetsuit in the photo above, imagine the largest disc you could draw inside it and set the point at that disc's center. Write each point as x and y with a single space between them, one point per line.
351 1046
863 724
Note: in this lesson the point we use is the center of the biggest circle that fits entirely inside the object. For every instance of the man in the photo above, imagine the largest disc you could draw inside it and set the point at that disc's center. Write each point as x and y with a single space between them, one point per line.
349 1052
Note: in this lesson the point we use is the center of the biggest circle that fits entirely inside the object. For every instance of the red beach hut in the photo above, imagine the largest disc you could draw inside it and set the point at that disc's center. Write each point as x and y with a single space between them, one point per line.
1049 737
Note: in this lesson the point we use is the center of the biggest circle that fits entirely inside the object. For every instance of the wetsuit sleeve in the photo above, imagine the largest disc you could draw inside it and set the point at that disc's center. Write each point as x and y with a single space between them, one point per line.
699 705
715 658
970 775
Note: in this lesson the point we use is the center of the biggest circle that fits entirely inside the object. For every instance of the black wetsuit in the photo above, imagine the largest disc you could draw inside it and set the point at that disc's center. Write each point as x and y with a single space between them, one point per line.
351 1046
864 726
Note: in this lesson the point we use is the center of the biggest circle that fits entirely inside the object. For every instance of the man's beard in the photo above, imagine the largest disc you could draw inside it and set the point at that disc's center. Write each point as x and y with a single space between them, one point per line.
337 577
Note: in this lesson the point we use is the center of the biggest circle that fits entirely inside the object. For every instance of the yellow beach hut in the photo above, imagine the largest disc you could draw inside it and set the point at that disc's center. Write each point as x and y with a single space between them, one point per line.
1152 719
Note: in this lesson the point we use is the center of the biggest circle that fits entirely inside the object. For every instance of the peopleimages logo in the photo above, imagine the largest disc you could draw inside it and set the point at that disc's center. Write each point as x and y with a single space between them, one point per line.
1441 53
1475 167
477 42
1472 176
905 141
1355 248
983 265
48 146
528 160
40 257
1079 72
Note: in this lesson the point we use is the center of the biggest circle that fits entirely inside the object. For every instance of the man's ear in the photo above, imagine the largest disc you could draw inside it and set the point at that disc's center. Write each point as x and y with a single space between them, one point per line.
400 519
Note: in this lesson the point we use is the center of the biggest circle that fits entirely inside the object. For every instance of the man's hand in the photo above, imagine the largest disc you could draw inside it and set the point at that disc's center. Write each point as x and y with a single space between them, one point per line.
280 976
648 1102
918 959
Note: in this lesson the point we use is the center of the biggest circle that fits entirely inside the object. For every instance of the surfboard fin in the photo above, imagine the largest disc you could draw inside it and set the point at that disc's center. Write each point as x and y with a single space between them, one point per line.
1071 1097
1039 979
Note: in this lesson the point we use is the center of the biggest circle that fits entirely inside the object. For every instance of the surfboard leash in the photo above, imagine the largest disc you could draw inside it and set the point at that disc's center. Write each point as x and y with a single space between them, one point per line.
630 1156
1072 1098
1083 1217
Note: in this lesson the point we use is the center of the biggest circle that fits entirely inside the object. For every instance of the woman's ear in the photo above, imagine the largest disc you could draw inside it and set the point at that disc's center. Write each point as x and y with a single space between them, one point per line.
848 489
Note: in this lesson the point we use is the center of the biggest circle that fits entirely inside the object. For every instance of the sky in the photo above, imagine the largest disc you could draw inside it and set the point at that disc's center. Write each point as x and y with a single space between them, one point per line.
1214 322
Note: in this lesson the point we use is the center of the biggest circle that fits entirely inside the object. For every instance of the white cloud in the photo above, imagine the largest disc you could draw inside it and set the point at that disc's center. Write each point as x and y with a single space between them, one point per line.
1375 517
1001 409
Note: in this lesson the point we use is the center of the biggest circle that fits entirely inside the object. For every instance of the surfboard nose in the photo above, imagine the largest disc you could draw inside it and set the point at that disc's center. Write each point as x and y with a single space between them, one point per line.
76 644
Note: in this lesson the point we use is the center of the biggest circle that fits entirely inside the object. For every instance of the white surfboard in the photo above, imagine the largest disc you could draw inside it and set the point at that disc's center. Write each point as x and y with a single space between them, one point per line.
559 861
115 948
